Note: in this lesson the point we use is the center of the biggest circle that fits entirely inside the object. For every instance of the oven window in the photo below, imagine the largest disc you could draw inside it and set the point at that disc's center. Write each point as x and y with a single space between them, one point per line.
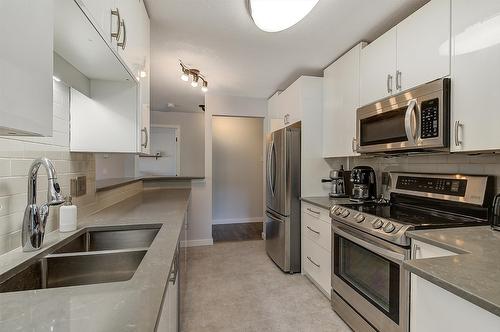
388 127
371 275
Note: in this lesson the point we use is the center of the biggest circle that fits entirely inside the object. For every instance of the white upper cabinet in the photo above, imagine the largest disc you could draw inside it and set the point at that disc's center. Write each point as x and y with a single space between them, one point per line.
475 69
423 45
414 52
134 39
340 101
291 105
26 64
378 68
106 16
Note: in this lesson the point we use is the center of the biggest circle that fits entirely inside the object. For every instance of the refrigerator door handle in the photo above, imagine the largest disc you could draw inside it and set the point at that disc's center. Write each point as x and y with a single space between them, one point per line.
269 168
273 178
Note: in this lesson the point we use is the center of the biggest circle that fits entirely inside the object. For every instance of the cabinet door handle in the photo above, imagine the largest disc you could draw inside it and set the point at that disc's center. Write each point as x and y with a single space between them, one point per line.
389 83
312 230
116 35
398 80
146 138
123 43
314 263
414 251
458 126
311 210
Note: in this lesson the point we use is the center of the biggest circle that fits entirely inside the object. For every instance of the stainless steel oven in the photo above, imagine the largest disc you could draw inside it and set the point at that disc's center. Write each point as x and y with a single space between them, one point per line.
370 287
417 119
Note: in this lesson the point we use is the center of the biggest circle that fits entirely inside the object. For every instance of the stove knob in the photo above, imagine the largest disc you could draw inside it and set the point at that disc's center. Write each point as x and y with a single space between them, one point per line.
360 218
339 211
377 223
346 213
389 228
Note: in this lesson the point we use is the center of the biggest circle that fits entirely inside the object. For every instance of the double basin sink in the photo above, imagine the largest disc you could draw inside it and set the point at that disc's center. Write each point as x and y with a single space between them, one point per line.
91 256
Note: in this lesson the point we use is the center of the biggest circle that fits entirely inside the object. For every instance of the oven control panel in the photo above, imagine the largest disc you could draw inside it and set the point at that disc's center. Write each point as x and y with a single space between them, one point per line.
434 185
380 227
429 119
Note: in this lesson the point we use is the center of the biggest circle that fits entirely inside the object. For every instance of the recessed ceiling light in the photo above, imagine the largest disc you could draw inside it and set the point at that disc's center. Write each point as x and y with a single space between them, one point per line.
55 78
170 105
278 15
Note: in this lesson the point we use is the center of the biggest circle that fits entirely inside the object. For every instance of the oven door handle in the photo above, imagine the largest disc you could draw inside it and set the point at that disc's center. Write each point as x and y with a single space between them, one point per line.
411 122
386 253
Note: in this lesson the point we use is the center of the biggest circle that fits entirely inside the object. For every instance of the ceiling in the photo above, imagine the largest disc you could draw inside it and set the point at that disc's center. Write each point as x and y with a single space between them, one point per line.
219 38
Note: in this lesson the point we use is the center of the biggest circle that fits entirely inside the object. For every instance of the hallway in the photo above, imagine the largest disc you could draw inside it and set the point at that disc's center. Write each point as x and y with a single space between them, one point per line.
234 286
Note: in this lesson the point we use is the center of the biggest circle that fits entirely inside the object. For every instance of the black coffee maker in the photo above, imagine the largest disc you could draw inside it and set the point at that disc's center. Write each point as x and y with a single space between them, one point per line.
364 184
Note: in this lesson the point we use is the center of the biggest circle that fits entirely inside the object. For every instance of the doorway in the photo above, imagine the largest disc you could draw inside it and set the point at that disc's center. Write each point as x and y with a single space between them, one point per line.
164 159
237 173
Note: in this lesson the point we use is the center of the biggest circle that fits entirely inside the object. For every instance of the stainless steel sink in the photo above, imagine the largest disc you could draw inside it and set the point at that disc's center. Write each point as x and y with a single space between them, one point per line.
73 270
95 255
110 239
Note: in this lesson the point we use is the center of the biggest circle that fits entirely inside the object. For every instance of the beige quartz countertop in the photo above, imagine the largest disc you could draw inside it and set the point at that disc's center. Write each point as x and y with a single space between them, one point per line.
325 202
473 274
131 305
108 184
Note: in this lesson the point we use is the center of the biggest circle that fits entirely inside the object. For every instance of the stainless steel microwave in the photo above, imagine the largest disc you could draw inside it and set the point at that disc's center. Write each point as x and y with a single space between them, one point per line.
414 120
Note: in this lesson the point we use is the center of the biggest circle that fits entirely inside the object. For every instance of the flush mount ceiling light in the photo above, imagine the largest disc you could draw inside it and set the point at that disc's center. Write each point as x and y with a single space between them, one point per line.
278 15
195 76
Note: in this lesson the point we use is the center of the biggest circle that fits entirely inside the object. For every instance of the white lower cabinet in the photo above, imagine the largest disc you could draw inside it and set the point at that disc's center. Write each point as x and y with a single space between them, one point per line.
316 247
168 320
434 309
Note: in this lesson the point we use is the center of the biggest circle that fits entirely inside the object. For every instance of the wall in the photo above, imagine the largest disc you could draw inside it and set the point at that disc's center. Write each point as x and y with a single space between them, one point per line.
192 138
237 152
200 227
114 165
488 164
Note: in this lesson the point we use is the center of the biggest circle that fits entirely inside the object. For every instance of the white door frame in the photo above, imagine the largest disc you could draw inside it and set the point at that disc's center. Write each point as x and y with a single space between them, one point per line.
177 144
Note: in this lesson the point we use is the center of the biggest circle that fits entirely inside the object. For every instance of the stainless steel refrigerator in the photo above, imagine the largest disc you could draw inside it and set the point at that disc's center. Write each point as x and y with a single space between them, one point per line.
283 198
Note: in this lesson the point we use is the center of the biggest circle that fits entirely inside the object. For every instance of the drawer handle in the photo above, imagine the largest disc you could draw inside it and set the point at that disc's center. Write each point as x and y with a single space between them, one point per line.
310 260
312 230
415 248
311 210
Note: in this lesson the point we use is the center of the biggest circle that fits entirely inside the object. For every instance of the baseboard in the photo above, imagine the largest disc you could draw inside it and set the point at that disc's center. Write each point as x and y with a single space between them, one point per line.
197 243
236 221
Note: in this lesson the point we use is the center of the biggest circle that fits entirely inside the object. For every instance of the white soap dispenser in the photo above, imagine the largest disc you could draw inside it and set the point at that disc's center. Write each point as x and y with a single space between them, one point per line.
67 216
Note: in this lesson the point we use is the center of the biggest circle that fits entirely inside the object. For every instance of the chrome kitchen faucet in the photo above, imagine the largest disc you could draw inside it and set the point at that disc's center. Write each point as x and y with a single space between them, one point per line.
35 217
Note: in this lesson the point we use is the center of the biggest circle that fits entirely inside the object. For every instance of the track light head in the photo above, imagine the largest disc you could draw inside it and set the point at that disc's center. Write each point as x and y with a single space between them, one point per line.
194 82
204 86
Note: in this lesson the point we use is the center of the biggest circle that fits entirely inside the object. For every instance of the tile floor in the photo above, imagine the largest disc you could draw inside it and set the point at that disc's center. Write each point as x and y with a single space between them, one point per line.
234 286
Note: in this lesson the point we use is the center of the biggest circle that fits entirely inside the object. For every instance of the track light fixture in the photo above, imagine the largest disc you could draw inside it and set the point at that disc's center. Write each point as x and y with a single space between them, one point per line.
195 76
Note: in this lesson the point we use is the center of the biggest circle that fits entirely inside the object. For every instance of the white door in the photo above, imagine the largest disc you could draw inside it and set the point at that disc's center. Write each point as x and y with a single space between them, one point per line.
423 45
164 142
26 67
378 68
475 70
340 101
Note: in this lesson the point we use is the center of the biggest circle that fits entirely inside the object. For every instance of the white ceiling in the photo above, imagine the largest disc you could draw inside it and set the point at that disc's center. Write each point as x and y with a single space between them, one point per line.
219 38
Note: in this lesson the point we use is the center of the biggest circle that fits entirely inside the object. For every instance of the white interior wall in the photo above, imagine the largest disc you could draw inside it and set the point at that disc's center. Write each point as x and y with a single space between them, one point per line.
200 224
237 156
